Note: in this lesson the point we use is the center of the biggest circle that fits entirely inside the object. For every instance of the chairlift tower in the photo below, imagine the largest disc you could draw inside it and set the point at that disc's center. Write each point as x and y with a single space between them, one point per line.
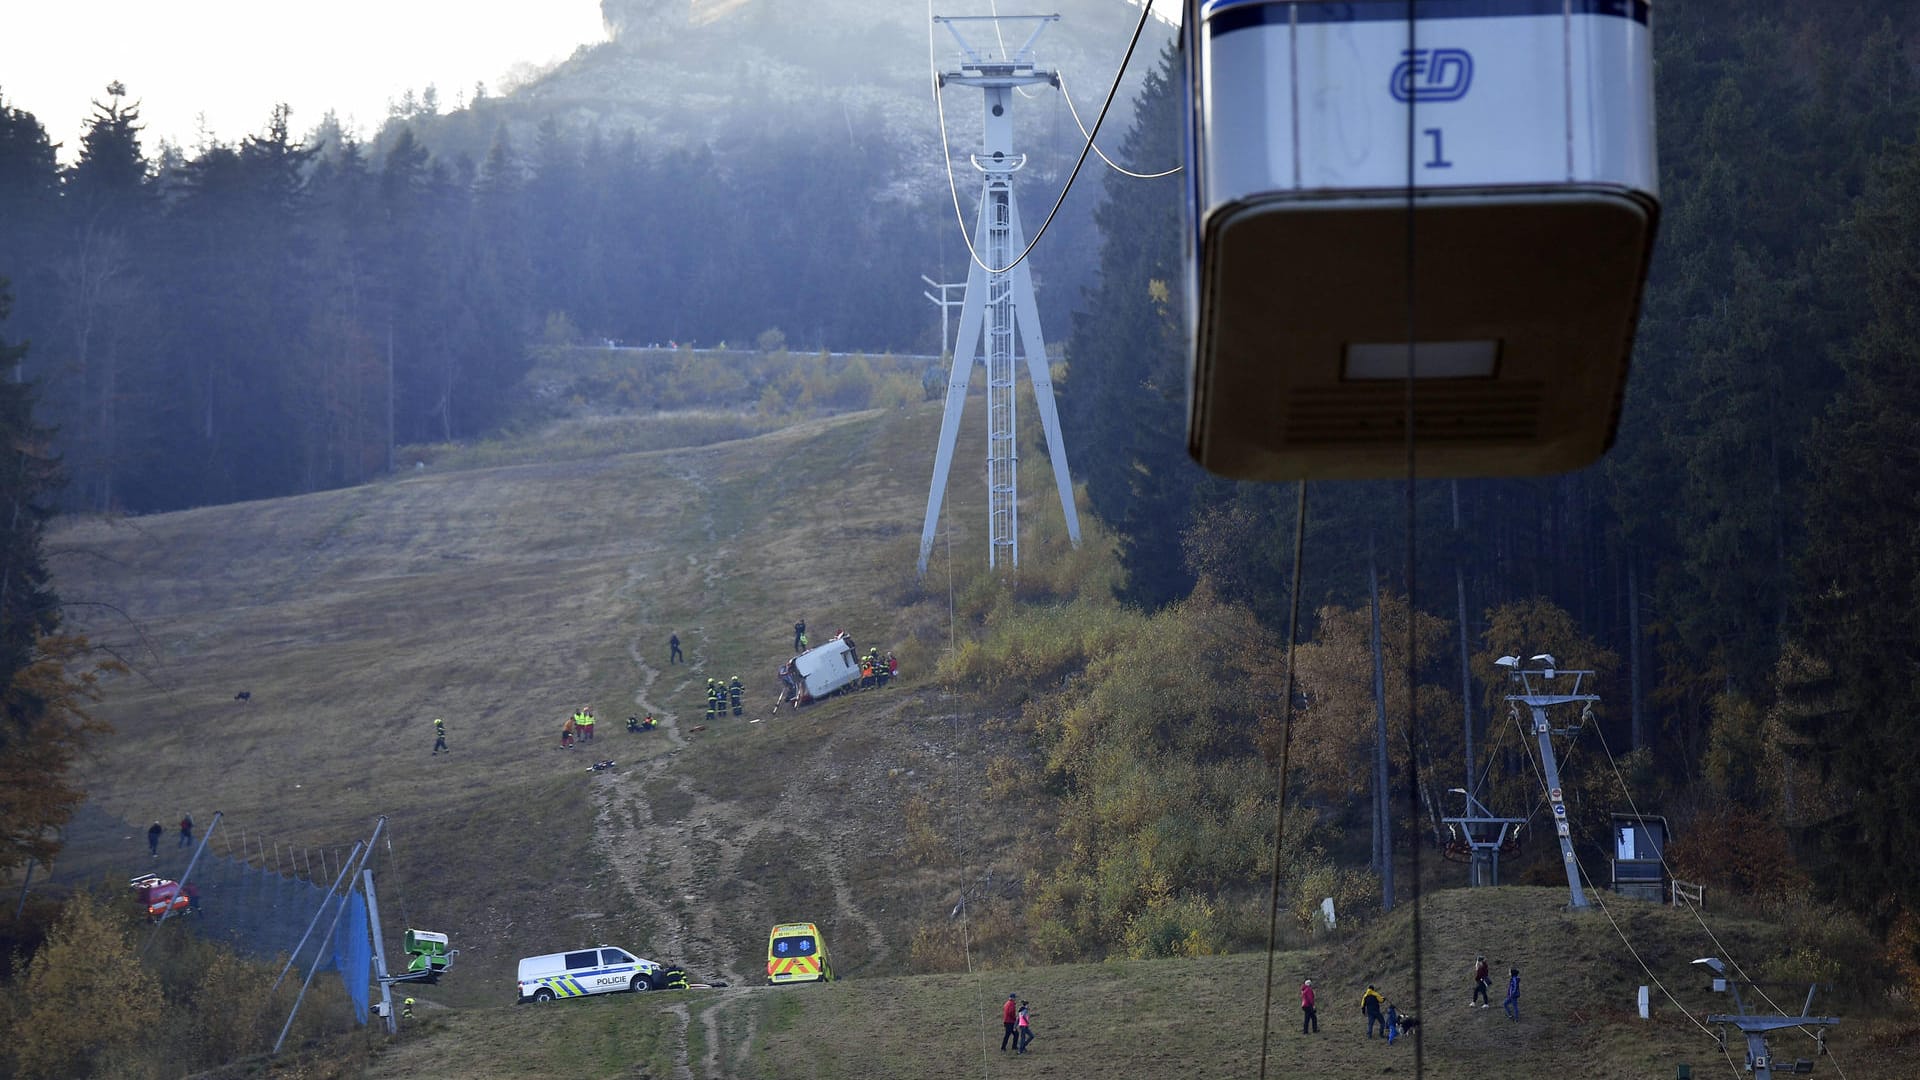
1538 700
1756 1027
1484 835
998 318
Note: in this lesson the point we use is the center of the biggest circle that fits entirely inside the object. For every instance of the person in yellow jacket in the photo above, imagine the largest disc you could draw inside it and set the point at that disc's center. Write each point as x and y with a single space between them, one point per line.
1370 1003
583 723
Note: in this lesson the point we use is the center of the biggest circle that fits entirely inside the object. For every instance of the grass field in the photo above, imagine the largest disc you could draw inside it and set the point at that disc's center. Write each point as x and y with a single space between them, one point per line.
502 589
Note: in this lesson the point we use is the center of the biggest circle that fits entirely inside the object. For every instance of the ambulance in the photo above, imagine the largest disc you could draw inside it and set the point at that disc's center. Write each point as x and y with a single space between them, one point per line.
797 953
602 969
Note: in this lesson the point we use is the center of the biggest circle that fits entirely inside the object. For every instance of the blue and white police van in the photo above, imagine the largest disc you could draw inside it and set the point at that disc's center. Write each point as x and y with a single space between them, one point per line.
602 969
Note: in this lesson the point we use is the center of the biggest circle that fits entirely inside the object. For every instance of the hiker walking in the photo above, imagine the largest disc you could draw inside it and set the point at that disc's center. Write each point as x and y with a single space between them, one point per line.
799 635
1481 980
1309 1020
1010 1019
1024 1028
733 693
1370 1003
440 736
674 655
186 831
153 839
1512 1004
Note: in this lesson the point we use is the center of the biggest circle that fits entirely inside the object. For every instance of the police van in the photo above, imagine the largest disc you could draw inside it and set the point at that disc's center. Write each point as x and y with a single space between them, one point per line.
602 969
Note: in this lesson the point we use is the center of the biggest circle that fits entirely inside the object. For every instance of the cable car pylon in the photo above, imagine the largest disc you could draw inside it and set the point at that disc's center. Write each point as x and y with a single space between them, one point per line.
998 318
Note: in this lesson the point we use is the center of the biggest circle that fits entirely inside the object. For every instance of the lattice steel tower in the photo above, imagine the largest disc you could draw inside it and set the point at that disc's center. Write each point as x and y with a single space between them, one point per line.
999 318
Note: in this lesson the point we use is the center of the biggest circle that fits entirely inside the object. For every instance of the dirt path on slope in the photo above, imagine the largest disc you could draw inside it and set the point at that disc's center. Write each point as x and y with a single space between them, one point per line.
681 852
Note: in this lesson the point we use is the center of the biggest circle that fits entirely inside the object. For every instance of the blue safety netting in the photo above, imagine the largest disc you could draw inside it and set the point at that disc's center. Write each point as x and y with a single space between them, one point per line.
353 954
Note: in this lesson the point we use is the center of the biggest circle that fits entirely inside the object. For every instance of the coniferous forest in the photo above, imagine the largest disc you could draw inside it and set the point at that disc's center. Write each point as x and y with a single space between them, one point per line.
1744 566
1744 558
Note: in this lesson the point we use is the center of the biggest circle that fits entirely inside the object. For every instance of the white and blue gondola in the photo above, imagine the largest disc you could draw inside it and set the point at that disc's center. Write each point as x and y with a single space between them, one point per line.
1478 182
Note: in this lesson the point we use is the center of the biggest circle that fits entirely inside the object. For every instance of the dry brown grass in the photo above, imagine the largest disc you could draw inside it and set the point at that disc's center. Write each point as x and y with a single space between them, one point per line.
502 597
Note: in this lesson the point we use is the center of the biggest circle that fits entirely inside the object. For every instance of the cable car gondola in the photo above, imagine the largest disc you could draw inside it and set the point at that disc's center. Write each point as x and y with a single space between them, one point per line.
1483 175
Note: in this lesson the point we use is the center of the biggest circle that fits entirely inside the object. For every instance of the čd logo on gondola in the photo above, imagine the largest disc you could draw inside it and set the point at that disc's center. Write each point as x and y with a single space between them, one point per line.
1432 75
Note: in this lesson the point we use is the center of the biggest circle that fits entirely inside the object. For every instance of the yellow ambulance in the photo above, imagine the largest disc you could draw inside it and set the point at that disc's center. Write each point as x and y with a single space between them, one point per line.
797 953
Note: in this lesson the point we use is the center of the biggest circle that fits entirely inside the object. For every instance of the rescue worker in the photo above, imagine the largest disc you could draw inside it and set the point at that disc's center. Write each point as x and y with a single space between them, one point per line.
734 690
440 736
648 723
799 635
406 1009
674 656
633 724
713 700
1370 1003
583 723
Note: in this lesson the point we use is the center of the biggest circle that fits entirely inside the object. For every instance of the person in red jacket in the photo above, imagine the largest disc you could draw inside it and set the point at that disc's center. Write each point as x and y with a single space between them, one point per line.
1010 1017
1309 1020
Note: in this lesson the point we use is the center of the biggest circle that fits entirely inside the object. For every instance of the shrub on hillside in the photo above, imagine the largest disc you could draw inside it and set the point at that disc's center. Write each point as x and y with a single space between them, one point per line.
1737 850
88 1000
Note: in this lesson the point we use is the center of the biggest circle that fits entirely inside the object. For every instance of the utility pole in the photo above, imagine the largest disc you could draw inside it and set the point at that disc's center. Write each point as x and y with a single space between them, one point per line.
946 306
380 956
1382 803
1545 674
999 305
1756 1027
1460 610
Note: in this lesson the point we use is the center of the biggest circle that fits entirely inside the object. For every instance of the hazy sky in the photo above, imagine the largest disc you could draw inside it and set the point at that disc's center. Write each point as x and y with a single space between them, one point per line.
232 60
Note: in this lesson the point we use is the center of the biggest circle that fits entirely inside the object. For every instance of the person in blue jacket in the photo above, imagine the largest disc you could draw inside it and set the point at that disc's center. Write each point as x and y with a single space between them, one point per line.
1512 1004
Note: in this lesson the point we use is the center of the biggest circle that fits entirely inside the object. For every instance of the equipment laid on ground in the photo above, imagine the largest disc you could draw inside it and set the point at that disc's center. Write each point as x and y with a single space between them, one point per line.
825 669
1463 194
160 895
602 969
797 953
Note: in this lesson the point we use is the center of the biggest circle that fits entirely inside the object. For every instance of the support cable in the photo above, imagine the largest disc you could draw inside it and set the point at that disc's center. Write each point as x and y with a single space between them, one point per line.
1594 891
1413 711
1677 898
1541 775
1084 133
1286 745
946 151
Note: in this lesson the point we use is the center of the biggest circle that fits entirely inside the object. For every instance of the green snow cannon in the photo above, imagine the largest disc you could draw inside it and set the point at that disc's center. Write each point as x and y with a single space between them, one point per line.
428 952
